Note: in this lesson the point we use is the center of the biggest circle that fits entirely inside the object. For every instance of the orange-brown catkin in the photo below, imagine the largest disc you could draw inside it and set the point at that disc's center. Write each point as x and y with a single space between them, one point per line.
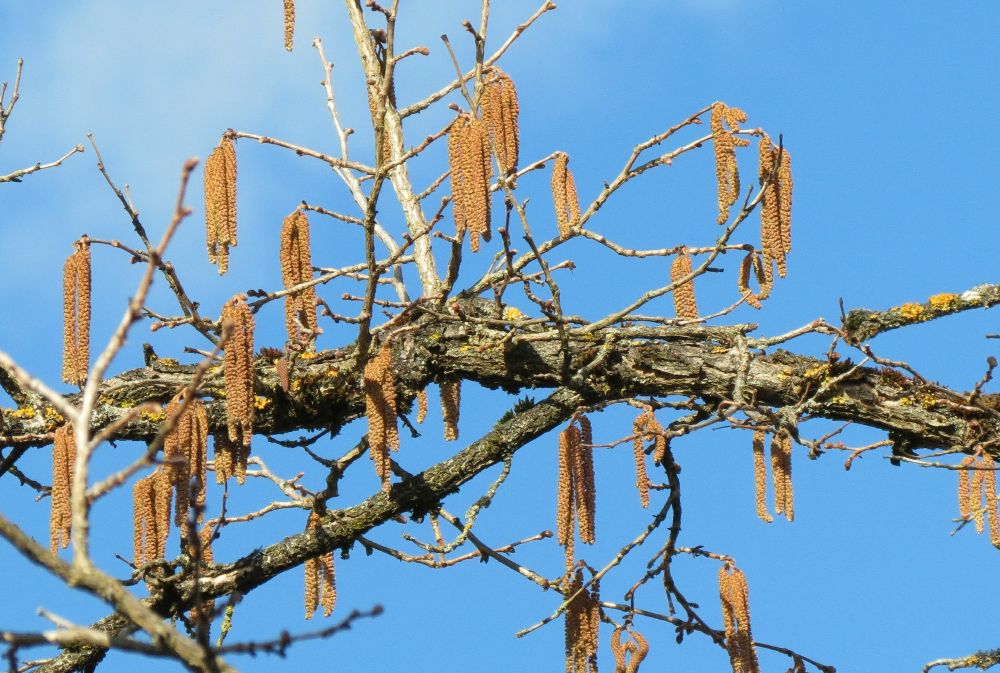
320 581
628 655
760 477
220 203
451 404
582 619
230 458
990 494
976 498
63 458
644 426
781 473
380 408
185 455
965 502
421 405
76 314
500 109
735 599
749 263
151 516
565 493
289 23
685 304
727 173
775 173
239 370
583 483
471 170
564 195
296 268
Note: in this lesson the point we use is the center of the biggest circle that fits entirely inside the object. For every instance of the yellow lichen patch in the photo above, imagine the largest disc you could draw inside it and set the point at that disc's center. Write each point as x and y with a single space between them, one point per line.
511 313
943 301
23 412
308 355
155 417
912 311
817 372
260 402
52 415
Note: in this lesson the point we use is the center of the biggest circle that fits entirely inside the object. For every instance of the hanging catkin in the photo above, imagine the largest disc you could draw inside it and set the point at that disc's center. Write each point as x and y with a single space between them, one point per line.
725 142
76 314
451 404
289 23
582 619
296 268
320 581
239 371
500 110
685 303
775 175
220 203
735 599
471 169
380 408
185 451
564 196
63 458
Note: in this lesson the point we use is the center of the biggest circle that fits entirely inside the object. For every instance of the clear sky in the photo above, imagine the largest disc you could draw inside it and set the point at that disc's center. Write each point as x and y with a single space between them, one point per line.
885 108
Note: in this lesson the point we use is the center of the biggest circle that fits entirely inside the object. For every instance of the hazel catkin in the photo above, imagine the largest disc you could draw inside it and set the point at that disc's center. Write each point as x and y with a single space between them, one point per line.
239 372
76 314
500 110
564 196
471 169
296 268
685 303
220 203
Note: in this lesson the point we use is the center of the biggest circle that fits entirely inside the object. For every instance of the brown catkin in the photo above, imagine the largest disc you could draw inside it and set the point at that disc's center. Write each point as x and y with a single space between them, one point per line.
629 654
685 304
421 405
735 598
296 268
976 498
564 195
76 314
781 473
582 465
582 618
964 492
760 477
380 408
990 495
471 170
451 403
743 282
63 458
320 580
220 203
640 428
785 203
185 449
500 109
727 175
775 207
151 516
565 493
239 370
289 23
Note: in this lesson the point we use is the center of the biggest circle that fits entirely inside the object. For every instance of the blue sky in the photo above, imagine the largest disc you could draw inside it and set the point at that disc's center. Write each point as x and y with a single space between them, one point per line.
885 108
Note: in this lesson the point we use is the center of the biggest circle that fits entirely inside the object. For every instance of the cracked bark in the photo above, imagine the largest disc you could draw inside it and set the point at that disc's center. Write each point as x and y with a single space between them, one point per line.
707 363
